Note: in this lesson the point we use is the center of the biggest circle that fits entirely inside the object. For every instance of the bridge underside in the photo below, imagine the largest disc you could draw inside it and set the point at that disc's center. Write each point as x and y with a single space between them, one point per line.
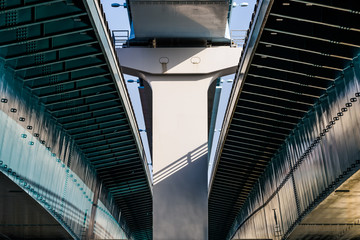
60 75
336 218
293 54
179 23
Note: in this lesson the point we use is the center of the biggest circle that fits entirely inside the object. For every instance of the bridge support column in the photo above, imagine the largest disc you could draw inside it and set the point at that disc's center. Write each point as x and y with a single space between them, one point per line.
180 150
179 78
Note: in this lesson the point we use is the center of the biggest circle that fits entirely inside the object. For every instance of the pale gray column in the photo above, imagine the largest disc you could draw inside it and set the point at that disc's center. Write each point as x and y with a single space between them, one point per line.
180 135
179 78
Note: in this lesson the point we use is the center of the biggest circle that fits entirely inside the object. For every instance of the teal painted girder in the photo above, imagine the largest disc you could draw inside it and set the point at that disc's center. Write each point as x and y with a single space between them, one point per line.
53 48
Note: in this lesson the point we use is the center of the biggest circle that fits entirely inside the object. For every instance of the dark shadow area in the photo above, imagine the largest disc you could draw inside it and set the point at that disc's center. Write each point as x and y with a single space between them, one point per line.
22 217
180 22
146 103
180 198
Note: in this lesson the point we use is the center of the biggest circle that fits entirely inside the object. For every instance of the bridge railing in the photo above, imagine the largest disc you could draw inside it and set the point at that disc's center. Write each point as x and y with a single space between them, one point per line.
238 37
120 38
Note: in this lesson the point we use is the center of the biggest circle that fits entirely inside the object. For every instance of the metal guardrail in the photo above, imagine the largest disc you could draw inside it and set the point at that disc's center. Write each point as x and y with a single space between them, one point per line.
238 37
120 38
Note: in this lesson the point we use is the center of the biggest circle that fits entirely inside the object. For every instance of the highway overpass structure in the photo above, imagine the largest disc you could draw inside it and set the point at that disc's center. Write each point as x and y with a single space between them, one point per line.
71 157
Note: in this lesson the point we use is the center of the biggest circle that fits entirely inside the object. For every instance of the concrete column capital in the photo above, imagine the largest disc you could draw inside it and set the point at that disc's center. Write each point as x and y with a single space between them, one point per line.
214 61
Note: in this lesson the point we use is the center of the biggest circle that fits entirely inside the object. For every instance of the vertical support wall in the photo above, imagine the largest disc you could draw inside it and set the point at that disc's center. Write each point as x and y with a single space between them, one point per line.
180 135
320 154
44 161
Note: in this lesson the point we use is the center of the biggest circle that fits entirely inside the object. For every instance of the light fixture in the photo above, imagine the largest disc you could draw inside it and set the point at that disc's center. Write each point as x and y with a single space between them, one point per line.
132 81
244 4
118 5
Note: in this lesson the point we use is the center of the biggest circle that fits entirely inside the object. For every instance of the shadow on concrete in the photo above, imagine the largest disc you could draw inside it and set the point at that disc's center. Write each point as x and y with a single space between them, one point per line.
180 198
180 163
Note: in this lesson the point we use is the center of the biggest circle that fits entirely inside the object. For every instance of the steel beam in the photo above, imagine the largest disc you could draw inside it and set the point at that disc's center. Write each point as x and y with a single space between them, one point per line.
75 90
305 50
57 61
285 81
98 65
258 123
296 61
235 150
234 187
30 5
132 183
97 160
101 129
97 136
109 146
108 164
226 177
261 117
79 98
112 153
282 90
272 105
124 165
255 156
236 162
87 43
92 111
250 144
326 6
24 41
278 98
312 37
125 145
96 124
93 118
315 22
259 135
105 144
53 19
70 81
231 178
255 140
240 177
82 106
293 72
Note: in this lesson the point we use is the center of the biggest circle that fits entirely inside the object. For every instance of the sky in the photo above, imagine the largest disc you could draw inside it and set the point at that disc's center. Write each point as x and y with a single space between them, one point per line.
118 20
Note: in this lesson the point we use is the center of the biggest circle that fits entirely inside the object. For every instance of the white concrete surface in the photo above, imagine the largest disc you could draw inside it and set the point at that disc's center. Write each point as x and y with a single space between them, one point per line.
218 61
